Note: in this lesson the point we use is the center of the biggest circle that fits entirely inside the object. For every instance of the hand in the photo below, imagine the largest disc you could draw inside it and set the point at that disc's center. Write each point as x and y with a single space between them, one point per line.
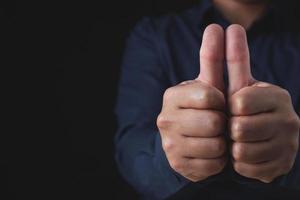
263 124
192 120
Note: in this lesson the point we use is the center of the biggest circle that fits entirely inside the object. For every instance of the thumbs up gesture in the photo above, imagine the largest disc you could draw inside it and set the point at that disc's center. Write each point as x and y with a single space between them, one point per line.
192 120
262 123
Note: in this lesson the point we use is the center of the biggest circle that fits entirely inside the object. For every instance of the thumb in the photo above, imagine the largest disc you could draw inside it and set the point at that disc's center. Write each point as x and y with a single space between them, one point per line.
212 57
238 59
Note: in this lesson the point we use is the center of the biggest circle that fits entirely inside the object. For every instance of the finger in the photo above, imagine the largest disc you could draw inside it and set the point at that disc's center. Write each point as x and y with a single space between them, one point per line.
194 95
253 100
238 59
212 57
265 172
194 123
256 152
203 148
254 128
204 167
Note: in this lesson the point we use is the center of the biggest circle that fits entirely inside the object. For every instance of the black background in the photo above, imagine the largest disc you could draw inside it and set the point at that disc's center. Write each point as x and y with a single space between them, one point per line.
65 64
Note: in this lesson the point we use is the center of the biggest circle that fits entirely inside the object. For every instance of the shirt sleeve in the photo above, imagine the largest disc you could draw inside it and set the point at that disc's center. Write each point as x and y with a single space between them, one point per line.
139 154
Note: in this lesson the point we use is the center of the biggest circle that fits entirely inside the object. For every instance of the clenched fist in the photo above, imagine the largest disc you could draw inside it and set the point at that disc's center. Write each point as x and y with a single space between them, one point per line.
263 123
192 121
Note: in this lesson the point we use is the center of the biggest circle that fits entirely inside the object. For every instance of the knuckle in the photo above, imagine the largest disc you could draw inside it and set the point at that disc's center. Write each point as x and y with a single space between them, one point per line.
240 105
163 122
169 94
209 56
284 94
177 165
206 94
168 145
238 57
292 123
209 97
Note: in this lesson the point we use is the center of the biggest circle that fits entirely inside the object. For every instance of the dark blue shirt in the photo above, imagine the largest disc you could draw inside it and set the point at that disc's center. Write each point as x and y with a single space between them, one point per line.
164 51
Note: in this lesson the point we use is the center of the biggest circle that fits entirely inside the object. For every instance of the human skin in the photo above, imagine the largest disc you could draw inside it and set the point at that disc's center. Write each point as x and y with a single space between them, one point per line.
243 12
262 123
192 119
